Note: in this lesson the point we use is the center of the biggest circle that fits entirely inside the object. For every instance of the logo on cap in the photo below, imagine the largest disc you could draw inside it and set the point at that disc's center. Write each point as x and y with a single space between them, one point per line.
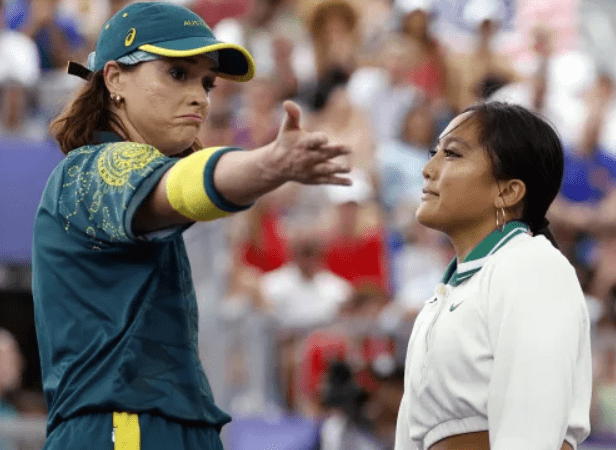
193 23
130 37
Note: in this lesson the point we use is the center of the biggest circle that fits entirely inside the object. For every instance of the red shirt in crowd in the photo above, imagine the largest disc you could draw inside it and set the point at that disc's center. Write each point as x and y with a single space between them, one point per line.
359 259
270 250
214 11
323 347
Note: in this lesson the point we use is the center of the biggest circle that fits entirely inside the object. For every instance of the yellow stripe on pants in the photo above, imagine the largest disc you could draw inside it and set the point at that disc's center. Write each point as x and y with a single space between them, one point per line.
126 432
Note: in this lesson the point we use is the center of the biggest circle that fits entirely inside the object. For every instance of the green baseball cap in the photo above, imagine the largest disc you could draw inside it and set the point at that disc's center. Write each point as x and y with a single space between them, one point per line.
166 29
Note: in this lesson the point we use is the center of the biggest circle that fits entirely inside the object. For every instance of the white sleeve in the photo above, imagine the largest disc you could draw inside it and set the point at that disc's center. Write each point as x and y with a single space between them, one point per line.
274 289
403 439
539 333
403 433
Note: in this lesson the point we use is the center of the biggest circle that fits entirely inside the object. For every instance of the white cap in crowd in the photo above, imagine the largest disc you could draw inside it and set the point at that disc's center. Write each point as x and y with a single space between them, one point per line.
408 6
230 30
359 192
477 11
20 59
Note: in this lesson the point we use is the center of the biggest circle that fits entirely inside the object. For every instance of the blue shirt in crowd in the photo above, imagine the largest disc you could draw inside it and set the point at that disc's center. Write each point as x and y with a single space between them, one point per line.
588 178
399 167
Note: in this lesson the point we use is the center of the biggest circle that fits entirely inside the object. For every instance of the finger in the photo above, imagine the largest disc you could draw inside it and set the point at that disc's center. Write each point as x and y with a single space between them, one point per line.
330 168
336 180
313 141
292 117
332 151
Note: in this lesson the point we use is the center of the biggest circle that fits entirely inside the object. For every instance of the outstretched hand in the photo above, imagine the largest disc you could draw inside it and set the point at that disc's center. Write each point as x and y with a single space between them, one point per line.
306 157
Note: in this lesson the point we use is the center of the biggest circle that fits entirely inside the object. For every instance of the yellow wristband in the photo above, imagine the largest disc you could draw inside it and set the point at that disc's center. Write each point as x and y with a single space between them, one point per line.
190 186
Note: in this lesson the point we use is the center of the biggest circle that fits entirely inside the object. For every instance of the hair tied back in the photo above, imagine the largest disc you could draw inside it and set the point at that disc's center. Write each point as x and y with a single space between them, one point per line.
542 229
541 224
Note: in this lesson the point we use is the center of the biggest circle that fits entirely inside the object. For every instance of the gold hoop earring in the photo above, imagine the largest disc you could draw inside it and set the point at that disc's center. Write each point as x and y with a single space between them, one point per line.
501 227
116 99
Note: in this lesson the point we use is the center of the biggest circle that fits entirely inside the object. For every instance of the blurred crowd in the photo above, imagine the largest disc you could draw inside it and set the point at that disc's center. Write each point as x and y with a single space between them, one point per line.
343 271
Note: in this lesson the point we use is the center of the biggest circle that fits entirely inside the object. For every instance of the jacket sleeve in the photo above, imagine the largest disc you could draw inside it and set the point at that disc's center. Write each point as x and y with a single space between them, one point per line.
103 187
403 440
540 388
403 433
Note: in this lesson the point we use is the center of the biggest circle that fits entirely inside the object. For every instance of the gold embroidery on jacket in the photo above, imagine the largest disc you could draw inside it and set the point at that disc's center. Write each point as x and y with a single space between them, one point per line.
117 161
109 174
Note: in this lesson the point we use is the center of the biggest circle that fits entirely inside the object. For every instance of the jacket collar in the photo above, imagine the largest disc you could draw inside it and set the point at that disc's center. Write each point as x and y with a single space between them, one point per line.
104 137
456 274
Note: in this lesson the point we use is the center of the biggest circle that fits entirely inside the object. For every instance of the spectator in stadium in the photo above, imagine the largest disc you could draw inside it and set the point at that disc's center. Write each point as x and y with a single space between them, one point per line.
217 129
604 385
476 75
11 368
500 356
301 295
428 72
590 170
256 122
533 91
345 122
214 12
115 308
353 337
418 265
16 117
384 91
398 173
384 403
345 426
260 239
334 31
583 211
602 277
356 247
553 85
56 35
19 73
399 161
276 37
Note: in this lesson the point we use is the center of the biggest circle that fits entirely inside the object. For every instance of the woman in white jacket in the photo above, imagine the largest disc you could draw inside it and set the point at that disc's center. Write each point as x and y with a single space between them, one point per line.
499 358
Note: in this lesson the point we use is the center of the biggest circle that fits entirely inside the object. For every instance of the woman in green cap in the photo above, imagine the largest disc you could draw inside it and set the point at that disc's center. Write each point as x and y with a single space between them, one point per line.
115 308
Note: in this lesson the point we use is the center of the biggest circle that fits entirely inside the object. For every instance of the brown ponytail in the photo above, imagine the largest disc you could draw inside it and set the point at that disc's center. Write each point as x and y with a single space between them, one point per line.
87 113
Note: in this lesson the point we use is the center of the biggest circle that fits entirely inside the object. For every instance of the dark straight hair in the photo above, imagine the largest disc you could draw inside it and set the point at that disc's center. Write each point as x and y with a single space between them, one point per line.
523 145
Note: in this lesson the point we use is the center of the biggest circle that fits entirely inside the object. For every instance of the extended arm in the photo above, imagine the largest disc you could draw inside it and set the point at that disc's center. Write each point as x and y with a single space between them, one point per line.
238 178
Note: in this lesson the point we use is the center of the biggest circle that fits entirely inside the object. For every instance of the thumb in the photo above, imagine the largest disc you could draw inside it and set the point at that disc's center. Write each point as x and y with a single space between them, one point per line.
292 117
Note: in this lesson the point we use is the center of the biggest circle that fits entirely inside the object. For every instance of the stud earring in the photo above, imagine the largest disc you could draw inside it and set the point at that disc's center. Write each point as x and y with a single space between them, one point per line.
116 99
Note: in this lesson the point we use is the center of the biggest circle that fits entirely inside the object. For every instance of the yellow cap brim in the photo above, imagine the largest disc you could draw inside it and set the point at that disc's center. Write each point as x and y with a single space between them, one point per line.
224 61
